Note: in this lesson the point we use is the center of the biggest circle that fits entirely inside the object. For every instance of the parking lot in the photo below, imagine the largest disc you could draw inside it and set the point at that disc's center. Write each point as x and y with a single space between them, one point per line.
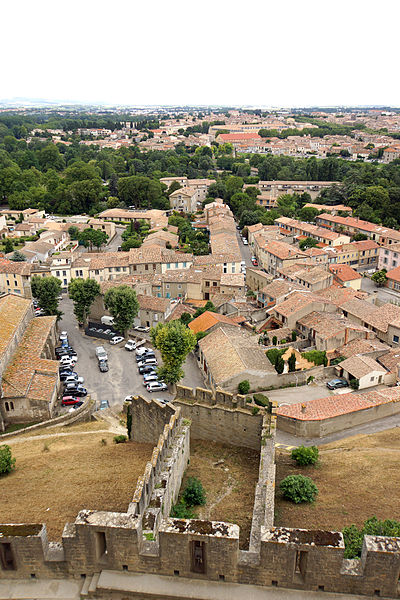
122 378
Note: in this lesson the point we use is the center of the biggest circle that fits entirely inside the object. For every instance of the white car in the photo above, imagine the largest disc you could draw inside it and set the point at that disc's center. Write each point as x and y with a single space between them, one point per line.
117 339
67 360
74 379
130 345
141 328
156 386
63 336
245 243
142 350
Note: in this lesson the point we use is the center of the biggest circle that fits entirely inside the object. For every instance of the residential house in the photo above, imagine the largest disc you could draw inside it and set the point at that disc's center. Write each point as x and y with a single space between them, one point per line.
311 277
328 208
346 276
384 320
298 305
256 279
274 293
229 355
393 279
184 200
154 217
209 321
296 228
389 257
327 331
15 278
352 225
273 255
30 380
277 188
365 369
107 226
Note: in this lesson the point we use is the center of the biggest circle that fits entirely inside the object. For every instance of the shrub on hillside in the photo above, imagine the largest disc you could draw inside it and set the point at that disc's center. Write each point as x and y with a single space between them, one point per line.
244 387
353 536
7 462
120 439
305 455
194 494
274 353
298 488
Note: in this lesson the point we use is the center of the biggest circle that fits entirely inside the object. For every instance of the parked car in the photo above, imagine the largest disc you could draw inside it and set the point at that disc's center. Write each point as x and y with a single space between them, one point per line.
76 389
103 366
106 320
334 384
117 339
148 361
63 335
142 328
68 360
60 350
245 243
39 312
104 404
76 406
65 373
130 345
149 354
101 353
142 350
149 377
156 386
146 369
73 378
69 353
68 400
254 262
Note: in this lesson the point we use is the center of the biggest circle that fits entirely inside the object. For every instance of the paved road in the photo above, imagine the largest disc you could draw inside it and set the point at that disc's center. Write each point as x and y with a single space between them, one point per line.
123 378
244 250
113 245
383 294
303 393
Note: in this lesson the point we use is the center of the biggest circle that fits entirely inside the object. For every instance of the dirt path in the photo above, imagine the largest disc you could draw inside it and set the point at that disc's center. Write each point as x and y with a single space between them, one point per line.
19 440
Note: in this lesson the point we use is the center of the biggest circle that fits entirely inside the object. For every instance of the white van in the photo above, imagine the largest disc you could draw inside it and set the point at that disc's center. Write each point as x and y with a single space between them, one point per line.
106 320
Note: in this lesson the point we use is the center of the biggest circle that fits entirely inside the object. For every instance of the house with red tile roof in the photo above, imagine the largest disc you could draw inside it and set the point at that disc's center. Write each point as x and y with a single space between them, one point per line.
321 417
346 276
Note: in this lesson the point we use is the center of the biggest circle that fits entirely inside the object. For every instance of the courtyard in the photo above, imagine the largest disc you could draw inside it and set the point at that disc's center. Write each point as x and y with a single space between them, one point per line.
229 475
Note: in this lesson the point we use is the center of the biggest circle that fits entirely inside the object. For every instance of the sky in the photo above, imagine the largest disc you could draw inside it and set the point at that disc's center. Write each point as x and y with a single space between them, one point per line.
258 53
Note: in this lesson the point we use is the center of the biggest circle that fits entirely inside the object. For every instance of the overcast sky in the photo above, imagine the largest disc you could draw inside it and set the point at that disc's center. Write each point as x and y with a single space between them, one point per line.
226 52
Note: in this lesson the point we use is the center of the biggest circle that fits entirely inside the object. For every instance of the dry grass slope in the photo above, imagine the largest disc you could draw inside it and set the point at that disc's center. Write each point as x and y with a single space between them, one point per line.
357 478
76 472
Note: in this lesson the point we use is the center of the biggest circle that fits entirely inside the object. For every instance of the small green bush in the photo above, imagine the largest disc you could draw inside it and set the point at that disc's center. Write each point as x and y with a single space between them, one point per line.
318 357
298 488
261 400
120 439
7 462
194 494
103 442
353 537
244 387
182 511
255 410
305 455
274 340
354 383
294 336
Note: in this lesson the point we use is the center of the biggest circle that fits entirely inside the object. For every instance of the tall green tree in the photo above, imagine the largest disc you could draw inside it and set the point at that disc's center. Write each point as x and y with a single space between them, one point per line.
8 246
123 305
83 293
17 256
47 290
174 340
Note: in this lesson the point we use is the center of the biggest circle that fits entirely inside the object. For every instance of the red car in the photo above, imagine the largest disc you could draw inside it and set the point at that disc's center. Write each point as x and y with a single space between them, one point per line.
69 400
255 262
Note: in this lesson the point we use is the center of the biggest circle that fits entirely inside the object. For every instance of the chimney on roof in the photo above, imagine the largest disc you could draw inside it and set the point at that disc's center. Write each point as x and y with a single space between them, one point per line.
303 408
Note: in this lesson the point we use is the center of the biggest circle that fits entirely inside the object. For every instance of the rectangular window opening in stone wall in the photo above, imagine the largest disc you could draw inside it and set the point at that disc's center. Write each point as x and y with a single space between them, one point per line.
7 560
300 564
198 557
101 545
